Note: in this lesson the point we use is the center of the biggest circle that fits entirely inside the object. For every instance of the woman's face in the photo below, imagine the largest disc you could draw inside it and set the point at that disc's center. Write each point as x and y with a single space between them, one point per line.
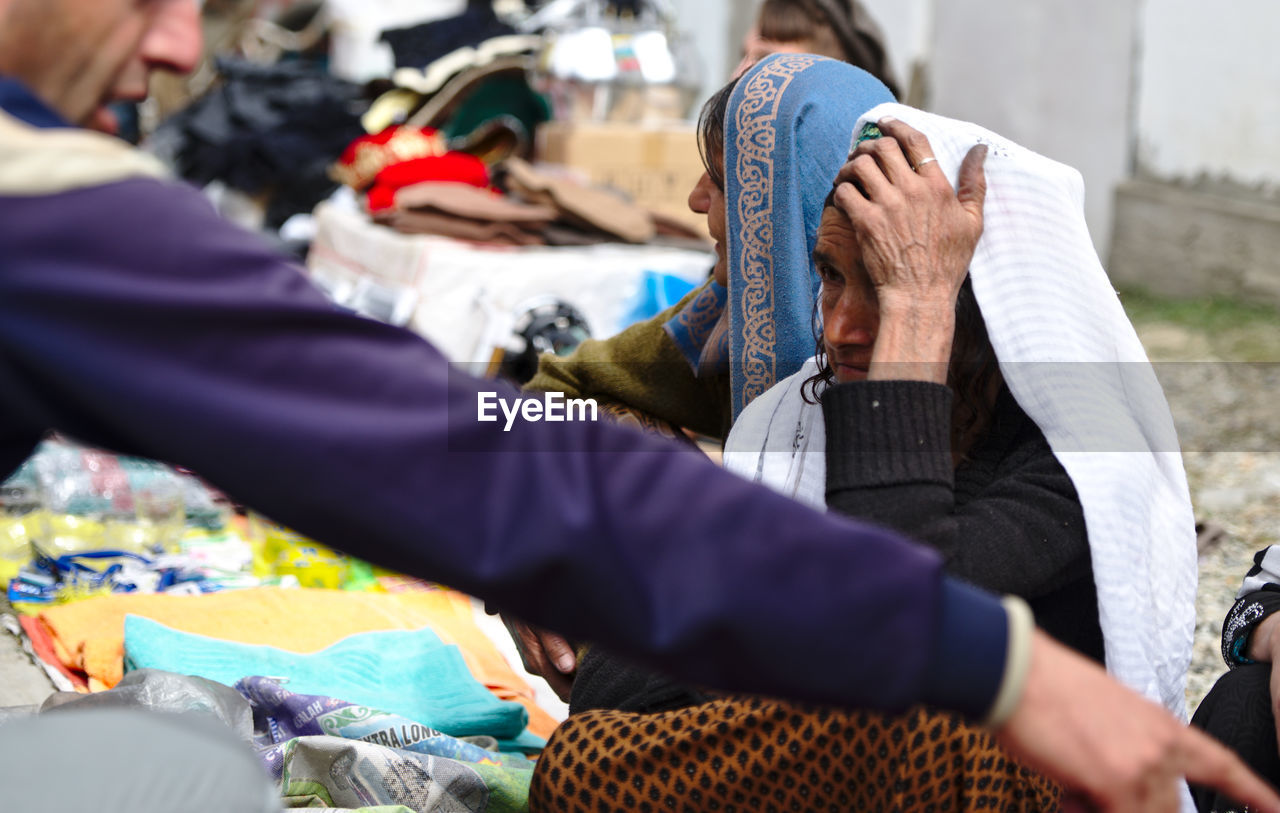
850 309
756 48
708 199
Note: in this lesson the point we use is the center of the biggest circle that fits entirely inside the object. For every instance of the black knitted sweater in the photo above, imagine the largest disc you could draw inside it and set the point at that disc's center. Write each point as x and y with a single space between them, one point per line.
1007 518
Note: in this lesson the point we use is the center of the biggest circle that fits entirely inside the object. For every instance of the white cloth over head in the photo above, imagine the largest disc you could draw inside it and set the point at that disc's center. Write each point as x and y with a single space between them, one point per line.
1073 361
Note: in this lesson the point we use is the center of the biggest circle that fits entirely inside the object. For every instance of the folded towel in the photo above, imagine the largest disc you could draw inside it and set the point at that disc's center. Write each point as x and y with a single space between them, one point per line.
88 635
409 673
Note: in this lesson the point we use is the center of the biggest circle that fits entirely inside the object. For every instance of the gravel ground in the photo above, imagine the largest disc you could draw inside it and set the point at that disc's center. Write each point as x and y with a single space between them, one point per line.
1226 413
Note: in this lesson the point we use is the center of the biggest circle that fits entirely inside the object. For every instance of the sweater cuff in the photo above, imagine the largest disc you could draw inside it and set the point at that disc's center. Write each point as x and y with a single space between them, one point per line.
1017 661
882 433
969 661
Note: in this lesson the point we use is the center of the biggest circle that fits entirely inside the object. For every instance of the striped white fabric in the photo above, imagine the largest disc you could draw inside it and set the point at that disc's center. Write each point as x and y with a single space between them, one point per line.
1074 362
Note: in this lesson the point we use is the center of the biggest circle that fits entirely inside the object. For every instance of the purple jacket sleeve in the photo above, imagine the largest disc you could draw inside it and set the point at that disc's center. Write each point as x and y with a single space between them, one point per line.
132 317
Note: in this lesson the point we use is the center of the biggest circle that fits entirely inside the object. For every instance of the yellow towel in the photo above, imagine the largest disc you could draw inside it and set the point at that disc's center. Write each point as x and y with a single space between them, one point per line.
89 635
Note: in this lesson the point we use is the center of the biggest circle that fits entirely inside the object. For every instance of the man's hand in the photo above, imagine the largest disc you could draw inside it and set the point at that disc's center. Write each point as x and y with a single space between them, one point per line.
546 654
1124 752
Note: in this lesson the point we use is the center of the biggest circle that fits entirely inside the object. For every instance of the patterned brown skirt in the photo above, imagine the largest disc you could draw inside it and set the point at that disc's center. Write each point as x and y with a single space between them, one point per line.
751 754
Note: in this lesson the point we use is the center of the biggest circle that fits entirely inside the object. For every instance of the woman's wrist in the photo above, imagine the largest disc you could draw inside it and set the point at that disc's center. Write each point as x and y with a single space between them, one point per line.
907 300
914 339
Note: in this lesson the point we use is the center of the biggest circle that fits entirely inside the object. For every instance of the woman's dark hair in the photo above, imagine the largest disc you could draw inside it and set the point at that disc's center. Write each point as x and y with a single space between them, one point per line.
845 21
971 373
711 132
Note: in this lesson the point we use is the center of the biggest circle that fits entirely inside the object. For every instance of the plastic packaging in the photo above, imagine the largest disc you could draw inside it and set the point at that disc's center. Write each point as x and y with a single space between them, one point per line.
95 500
19 513
282 552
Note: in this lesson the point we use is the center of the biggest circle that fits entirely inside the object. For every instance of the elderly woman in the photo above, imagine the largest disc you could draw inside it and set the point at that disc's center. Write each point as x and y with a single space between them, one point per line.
999 407
941 419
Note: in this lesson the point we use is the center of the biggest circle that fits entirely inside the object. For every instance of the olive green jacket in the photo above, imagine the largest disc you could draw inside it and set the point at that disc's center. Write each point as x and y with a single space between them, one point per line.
641 370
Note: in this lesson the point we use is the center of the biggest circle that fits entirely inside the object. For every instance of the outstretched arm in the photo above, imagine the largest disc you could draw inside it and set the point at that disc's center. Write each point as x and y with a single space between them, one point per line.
156 328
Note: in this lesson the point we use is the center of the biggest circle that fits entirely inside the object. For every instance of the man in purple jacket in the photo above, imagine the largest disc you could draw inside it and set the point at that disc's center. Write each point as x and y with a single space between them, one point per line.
132 317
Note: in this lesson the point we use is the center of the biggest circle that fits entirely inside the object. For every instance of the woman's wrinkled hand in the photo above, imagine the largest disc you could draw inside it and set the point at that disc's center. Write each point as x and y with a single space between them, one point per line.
916 234
546 654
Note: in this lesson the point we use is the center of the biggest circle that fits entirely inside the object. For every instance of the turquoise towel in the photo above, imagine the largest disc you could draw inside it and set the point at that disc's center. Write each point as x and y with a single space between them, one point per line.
407 672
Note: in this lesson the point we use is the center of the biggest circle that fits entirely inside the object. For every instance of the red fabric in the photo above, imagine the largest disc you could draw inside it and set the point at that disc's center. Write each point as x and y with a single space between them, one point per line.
380 139
381 198
42 645
458 167
455 167
368 155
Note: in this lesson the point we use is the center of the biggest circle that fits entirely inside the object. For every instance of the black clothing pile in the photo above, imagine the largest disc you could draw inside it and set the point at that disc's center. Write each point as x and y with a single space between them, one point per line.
266 130
419 45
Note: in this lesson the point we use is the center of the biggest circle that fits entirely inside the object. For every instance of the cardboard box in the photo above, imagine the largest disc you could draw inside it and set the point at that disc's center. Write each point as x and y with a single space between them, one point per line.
655 165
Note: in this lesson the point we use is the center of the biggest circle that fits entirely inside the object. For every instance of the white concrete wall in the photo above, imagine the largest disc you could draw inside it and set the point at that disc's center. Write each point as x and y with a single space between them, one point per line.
1053 75
1176 88
1210 90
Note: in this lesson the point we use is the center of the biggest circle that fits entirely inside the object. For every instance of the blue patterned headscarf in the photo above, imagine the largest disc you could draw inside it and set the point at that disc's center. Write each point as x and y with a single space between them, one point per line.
786 136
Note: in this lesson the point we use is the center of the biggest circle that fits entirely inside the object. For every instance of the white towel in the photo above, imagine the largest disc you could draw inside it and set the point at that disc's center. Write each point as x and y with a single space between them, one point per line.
1074 363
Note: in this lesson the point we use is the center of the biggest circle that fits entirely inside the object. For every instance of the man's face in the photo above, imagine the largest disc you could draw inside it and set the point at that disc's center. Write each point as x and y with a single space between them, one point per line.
81 55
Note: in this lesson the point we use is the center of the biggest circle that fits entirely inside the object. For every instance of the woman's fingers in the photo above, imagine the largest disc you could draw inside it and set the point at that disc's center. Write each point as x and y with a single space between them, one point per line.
559 651
971 188
888 155
851 201
532 644
870 177
544 653
914 145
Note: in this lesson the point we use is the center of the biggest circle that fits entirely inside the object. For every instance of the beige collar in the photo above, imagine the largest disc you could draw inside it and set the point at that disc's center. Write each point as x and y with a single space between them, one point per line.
35 161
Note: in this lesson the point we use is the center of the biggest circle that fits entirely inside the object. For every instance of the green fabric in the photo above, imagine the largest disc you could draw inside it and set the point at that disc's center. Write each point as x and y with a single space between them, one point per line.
641 369
498 96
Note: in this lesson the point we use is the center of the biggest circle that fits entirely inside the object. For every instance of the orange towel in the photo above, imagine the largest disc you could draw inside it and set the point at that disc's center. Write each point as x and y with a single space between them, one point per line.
89 635
42 646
